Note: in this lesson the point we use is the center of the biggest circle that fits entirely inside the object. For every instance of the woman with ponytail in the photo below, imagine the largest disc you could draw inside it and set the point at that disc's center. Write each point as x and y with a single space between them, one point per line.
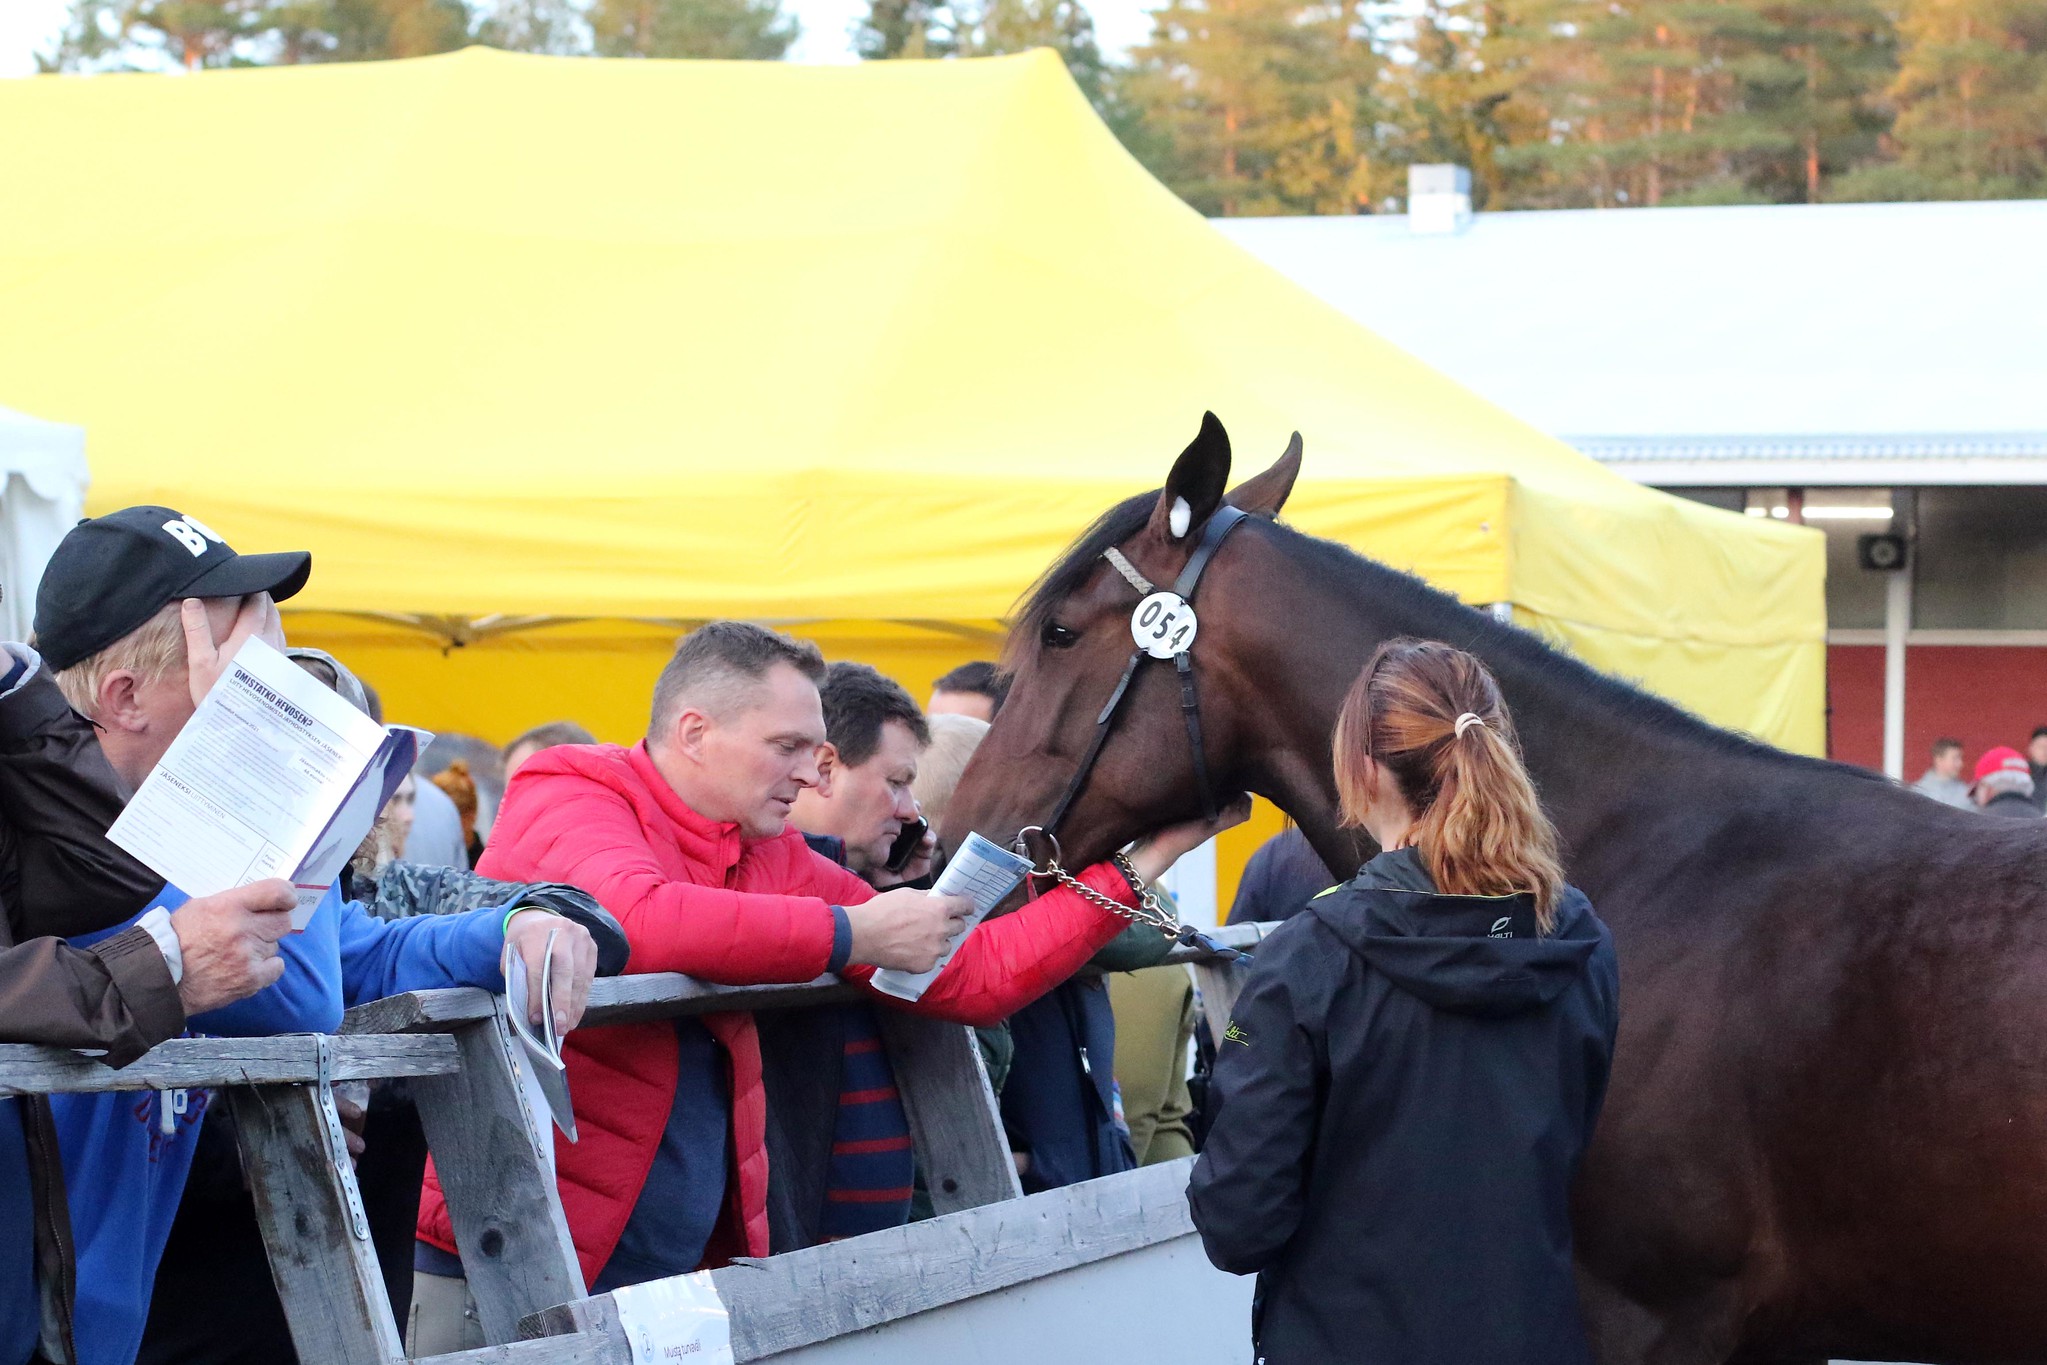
1416 1062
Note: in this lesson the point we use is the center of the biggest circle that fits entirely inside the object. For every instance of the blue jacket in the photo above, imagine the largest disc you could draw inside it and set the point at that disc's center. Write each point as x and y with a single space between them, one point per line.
1060 1103
126 1155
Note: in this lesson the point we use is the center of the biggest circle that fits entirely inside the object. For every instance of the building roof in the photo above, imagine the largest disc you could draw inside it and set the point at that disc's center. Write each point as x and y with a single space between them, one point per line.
1836 343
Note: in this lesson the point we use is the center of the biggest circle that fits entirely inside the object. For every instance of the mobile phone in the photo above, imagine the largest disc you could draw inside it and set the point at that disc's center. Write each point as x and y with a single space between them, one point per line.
907 843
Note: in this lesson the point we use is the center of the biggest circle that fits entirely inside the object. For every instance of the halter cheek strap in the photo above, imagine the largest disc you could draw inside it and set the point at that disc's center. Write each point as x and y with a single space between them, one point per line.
1225 520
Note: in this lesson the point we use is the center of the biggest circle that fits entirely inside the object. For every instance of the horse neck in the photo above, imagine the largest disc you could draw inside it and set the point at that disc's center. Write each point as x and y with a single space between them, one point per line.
1599 772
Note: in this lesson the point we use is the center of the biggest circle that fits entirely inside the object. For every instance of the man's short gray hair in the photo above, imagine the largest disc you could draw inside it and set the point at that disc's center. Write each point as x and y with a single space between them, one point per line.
717 667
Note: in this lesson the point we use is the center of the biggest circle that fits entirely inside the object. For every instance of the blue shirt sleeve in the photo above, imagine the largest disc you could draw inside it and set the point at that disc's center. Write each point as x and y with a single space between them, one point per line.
306 999
345 956
382 957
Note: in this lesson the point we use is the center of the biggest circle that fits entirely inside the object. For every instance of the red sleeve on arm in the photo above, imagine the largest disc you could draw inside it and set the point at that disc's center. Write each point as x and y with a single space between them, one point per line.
589 836
1011 960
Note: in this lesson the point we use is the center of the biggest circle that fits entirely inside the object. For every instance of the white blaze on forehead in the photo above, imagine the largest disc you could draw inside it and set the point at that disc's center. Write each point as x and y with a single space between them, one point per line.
1182 514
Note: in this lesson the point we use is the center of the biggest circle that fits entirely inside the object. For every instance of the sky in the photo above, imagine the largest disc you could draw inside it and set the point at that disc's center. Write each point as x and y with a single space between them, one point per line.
31 26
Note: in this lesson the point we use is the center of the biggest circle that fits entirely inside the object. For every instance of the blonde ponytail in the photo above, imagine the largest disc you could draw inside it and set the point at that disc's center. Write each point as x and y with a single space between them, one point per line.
1434 717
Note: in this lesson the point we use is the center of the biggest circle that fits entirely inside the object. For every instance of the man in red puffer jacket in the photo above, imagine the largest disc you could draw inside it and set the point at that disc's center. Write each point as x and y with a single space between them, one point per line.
685 839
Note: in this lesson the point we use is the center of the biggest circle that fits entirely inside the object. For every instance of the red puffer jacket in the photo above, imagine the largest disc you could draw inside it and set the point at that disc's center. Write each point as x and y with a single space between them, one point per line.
696 898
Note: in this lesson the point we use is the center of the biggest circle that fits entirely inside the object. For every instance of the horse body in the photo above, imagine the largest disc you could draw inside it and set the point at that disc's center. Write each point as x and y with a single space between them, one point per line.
1826 1132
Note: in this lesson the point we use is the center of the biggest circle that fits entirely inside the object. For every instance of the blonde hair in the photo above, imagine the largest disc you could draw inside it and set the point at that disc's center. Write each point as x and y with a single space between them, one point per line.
953 741
153 650
1433 715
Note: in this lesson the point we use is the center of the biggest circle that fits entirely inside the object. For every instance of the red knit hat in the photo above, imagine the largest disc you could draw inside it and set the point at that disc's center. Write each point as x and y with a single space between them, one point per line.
2003 759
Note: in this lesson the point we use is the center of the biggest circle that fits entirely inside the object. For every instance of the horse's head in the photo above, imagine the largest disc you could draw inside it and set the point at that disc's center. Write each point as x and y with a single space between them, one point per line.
1072 641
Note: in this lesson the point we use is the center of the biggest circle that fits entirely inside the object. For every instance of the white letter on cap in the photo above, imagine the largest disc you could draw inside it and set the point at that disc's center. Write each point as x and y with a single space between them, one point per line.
203 529
187 537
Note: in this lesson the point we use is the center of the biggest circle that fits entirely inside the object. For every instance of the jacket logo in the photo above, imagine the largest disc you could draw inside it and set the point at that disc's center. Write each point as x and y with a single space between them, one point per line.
1235 1034
1503 927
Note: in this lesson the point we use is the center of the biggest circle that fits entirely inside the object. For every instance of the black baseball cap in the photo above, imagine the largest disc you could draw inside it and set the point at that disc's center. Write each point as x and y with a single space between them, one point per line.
111 574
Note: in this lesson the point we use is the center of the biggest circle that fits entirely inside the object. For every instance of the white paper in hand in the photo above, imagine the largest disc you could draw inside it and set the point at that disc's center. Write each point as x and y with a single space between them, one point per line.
542 1069
676 1321
984 872
274 776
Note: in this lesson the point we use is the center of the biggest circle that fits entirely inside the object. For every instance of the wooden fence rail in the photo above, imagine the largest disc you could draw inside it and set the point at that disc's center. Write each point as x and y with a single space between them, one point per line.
493 1155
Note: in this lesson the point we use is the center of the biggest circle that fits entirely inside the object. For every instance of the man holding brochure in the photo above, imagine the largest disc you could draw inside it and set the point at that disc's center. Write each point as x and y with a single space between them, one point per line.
139 613
686 839
120 997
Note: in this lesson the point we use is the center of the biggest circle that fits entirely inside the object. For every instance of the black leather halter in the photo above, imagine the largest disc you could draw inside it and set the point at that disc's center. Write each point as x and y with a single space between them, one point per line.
1225 520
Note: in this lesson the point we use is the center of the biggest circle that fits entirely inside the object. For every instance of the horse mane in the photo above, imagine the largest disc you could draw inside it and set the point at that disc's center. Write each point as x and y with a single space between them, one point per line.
1444 618
1074 568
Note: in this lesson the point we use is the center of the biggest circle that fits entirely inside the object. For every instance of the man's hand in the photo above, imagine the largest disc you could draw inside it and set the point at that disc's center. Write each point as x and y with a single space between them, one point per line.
905 929
350 1097
575 963
1151 857
915 870
229 943
257 615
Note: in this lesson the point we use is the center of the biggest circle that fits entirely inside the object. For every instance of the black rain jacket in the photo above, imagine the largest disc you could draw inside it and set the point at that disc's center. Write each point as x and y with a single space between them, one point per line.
1403 1095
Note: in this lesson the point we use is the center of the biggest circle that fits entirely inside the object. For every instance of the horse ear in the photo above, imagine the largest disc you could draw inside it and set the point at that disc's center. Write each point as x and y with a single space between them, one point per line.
1262 495
1195 487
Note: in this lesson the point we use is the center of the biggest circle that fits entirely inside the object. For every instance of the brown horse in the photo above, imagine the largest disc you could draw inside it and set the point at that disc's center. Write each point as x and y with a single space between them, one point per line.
1827 1129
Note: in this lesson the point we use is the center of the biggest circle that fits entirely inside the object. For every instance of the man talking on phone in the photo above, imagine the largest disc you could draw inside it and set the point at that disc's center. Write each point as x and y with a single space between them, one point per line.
861 813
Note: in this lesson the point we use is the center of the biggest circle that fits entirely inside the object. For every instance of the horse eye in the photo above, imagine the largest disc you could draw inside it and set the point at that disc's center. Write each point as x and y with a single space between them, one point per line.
1056 636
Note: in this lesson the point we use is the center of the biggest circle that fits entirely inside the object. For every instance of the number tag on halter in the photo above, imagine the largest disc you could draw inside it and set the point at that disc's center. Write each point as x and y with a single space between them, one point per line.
1163 625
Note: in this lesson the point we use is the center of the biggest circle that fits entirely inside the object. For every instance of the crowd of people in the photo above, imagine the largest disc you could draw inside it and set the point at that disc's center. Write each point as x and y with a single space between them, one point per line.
2004 781
775 823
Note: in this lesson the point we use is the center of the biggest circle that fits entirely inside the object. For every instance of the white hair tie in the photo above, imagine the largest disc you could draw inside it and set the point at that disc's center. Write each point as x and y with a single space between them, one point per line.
1467 720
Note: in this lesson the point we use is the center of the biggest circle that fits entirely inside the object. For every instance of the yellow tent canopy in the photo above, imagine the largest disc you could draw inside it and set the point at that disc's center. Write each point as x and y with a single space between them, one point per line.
544 359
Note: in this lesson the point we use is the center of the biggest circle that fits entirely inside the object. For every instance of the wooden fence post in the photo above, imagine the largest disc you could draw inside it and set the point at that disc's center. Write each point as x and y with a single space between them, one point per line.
955 1126
313 1224
1220 983
488 1151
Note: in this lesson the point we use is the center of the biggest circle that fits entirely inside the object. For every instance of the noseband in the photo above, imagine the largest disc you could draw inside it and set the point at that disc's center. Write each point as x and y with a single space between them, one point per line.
1225 520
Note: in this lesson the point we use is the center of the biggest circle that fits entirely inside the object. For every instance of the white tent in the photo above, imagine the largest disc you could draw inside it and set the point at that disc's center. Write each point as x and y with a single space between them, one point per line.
42 494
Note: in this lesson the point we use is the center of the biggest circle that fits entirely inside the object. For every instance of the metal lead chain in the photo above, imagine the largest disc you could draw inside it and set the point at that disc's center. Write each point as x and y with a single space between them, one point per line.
1149 910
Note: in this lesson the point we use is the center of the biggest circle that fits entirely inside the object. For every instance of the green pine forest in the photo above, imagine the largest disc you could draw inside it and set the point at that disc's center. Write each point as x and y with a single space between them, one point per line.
1278 107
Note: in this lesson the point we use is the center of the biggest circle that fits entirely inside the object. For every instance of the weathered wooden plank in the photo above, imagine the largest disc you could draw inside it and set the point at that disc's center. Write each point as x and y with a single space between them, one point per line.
183 1063
489 1154
804 1297
659 995
1220 981
419 1012
312 1219
583 1348
666 995
955 1126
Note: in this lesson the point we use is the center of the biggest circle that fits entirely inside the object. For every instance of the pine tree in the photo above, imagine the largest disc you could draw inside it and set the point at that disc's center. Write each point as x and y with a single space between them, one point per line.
553 27
205 33
1065 26
908 29
1971 100
733 29
1257 106
1679 101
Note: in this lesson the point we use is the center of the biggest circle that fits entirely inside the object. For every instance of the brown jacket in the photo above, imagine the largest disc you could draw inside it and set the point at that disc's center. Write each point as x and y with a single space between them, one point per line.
59 876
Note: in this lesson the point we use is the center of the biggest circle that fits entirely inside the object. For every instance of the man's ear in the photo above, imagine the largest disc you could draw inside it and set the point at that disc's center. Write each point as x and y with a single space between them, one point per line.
1262 495
117 706
688 732
1195 487
827 764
